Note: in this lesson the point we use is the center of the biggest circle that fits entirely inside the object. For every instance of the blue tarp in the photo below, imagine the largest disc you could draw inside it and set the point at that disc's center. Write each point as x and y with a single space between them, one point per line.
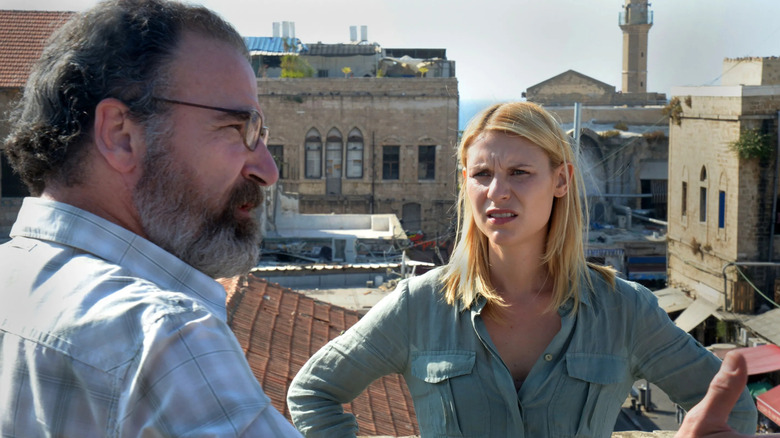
274 46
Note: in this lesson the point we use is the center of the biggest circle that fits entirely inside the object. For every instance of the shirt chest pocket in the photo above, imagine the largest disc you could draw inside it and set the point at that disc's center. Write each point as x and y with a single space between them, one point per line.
590 392
449 400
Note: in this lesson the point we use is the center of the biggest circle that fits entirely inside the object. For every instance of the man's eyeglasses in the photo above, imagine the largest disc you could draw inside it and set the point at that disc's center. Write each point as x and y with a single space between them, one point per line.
253 128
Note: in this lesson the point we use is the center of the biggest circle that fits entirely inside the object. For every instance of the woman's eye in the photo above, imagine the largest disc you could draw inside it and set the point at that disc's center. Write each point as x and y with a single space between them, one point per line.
519 172
481 173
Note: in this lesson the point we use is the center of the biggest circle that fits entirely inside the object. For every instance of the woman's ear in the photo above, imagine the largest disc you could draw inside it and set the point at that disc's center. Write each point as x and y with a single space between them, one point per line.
564 175
119 139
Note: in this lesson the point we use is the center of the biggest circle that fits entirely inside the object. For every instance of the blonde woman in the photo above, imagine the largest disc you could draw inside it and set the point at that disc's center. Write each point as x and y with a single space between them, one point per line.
518 335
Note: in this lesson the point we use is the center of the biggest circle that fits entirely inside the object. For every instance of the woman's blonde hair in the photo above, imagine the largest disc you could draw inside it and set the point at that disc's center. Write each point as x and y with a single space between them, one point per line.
467 275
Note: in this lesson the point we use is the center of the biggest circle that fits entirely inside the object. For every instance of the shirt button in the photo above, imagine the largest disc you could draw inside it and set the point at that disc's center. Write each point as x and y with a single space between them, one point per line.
548 357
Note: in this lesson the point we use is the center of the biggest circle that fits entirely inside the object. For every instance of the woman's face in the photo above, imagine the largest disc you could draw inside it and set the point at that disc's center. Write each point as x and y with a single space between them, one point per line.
510 187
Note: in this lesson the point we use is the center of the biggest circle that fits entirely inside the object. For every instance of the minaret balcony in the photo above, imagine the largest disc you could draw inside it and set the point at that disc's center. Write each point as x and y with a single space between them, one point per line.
635 17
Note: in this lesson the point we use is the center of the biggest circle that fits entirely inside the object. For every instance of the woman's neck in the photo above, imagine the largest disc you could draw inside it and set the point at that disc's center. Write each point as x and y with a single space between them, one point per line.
518 273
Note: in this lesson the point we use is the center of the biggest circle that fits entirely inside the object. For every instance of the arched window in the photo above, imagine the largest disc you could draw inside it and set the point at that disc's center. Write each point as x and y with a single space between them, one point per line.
313 154
333 154
355 154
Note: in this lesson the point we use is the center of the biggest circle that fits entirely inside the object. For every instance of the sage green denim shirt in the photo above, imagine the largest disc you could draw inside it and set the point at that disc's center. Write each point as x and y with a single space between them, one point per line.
462 388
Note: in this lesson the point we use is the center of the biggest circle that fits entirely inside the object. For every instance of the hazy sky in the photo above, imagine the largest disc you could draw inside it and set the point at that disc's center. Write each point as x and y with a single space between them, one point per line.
501 47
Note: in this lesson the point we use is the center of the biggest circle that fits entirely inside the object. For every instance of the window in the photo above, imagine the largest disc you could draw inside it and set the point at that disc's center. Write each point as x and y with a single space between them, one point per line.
777 217
721 209
355 154
703 204
390 162
684 198
277 151
426 163
313 154
333 154
322 73
12 185
703 195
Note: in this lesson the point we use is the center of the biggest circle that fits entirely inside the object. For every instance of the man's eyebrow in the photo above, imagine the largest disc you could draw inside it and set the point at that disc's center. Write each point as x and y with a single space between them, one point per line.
236 114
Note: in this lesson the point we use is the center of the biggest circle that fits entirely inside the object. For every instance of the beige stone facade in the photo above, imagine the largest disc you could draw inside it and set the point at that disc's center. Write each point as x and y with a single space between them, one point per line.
367 145
751 71
720 206
571 86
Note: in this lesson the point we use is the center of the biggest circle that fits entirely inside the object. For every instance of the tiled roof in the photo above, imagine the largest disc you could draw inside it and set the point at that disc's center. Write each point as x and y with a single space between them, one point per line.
22 37
279 330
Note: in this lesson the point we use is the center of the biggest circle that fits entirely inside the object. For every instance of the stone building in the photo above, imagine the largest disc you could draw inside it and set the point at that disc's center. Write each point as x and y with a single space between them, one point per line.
22 36
635 21
367 145
569 87
722 218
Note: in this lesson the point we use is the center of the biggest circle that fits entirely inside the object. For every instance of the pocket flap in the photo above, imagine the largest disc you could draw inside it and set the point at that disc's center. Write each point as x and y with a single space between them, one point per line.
596 368
435 367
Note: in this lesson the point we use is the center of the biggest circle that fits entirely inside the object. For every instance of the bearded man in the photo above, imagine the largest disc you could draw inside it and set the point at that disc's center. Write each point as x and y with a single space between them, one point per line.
142 142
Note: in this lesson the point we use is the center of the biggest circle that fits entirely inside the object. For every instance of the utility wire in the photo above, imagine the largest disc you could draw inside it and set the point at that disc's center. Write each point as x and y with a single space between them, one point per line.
755 288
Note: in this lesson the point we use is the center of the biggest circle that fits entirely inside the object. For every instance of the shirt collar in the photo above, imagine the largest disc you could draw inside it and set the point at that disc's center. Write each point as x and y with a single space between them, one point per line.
565 308
65 224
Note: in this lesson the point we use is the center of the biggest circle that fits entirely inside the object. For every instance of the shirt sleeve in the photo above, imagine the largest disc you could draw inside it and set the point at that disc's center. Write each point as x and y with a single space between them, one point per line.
193 380
376 346
677 363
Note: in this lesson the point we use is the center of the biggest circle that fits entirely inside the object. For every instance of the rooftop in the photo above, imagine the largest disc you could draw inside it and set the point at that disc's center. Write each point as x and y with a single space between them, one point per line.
279 329
23 35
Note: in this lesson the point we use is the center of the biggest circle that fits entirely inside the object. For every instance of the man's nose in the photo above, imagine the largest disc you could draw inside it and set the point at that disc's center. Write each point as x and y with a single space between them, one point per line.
260 167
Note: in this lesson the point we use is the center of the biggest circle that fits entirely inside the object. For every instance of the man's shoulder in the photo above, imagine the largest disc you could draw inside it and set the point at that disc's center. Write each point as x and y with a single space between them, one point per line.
79 304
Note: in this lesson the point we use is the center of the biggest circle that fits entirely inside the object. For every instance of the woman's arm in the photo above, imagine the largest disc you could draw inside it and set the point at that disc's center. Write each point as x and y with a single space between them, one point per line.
376 346
678 364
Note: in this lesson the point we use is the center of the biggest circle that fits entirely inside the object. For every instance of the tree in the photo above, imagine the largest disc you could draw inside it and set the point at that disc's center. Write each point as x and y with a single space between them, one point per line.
296 67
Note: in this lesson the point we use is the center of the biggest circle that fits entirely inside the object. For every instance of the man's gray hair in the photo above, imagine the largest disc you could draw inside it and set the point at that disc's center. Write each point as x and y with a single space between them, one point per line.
119 49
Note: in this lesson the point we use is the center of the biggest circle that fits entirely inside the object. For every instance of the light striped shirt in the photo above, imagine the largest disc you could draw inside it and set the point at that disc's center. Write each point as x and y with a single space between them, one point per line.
104 334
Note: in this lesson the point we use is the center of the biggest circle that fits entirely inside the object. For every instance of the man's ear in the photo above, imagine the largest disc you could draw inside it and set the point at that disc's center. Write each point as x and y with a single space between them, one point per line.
119 139
565 175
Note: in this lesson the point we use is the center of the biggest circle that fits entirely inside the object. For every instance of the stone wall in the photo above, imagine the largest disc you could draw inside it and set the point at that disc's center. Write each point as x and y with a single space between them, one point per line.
751 71
649 115
700 243
403 112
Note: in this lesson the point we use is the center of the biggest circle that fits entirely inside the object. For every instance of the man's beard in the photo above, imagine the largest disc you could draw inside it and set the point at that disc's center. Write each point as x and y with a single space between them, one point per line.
176 217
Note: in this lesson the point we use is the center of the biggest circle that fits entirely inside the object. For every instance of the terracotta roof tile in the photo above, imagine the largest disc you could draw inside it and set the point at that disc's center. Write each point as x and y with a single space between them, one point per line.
22 37
279 330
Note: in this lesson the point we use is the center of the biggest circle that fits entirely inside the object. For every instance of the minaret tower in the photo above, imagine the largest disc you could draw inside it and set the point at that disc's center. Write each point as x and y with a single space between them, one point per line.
635 22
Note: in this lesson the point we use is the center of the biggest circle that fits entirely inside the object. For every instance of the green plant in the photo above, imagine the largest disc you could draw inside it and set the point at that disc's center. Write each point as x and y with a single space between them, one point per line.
296 67
654 136
674 111
609 134
346 71
752 144
296 98
696 247
688 101
622 126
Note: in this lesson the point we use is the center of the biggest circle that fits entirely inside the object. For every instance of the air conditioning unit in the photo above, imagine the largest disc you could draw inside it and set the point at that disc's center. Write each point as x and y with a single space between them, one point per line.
755 342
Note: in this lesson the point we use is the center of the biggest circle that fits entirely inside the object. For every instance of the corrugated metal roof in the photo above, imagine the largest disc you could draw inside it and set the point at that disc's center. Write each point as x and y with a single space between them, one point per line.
320 49
22 37
767 325
274 46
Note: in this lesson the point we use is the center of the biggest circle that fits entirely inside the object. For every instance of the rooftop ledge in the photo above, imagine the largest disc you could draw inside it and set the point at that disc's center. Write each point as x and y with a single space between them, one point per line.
625 434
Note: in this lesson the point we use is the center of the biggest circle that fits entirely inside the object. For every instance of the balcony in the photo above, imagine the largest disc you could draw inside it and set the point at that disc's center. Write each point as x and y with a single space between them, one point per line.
635 17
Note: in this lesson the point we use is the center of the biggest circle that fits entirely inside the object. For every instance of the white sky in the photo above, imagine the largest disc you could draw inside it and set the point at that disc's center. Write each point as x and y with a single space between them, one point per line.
502 47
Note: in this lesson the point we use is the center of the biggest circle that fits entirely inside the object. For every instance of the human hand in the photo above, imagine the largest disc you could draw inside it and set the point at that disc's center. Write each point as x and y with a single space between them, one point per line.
708 418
